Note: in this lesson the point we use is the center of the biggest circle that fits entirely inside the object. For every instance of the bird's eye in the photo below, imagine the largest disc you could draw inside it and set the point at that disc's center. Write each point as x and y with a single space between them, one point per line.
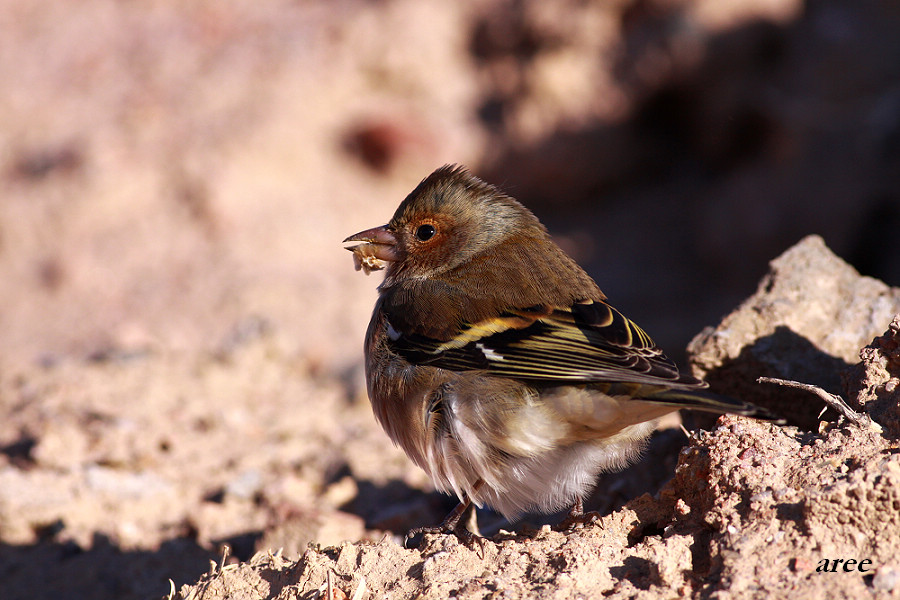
425 232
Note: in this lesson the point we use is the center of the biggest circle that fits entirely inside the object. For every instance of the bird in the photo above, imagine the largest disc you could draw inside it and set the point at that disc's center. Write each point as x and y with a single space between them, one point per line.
496 362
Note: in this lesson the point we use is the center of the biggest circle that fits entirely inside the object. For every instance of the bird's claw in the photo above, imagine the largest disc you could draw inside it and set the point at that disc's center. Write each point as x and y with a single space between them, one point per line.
452 524
465 536
573 522
577 518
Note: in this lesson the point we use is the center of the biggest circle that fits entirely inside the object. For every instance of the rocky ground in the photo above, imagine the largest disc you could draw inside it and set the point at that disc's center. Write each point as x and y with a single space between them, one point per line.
753 509
180 329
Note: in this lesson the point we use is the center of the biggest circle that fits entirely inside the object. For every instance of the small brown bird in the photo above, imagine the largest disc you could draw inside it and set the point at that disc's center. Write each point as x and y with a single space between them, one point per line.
495 361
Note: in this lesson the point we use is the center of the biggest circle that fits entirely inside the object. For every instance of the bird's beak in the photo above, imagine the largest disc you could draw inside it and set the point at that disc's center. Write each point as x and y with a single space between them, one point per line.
379 246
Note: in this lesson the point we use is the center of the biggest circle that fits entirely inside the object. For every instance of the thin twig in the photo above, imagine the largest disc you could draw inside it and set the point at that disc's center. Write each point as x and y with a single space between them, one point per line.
226 549
832 400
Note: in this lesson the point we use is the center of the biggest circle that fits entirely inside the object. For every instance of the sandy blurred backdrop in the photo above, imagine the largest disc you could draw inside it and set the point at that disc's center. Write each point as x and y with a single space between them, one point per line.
177 176
171 170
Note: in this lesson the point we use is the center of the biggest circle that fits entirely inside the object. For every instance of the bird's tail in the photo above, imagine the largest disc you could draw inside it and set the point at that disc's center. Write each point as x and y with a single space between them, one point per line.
710 402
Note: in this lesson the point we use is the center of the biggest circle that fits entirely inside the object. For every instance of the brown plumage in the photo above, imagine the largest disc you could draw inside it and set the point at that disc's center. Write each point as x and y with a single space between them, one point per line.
495 361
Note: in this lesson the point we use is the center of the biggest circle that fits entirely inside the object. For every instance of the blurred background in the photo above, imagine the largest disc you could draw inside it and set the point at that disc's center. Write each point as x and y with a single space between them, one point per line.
176 179
172 171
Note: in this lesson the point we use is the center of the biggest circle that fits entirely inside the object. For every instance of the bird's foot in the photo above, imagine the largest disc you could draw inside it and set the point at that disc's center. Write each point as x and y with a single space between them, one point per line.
577 518
451 525
462 534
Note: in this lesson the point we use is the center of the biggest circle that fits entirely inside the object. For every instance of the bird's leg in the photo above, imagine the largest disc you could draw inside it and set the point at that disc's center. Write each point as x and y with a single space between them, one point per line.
452 523
577 517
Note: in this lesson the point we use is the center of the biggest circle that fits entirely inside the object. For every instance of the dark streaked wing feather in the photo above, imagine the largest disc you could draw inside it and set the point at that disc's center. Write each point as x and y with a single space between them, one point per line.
710 402
585 343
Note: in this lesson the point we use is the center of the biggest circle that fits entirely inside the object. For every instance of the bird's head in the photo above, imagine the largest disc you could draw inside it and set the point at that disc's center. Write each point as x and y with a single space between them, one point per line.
451 218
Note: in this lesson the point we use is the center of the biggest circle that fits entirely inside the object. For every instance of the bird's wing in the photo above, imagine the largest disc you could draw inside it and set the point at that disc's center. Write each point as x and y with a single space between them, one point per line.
587 342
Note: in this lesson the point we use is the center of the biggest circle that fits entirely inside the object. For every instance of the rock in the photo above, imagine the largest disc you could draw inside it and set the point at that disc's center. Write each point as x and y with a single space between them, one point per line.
874 383
806 322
